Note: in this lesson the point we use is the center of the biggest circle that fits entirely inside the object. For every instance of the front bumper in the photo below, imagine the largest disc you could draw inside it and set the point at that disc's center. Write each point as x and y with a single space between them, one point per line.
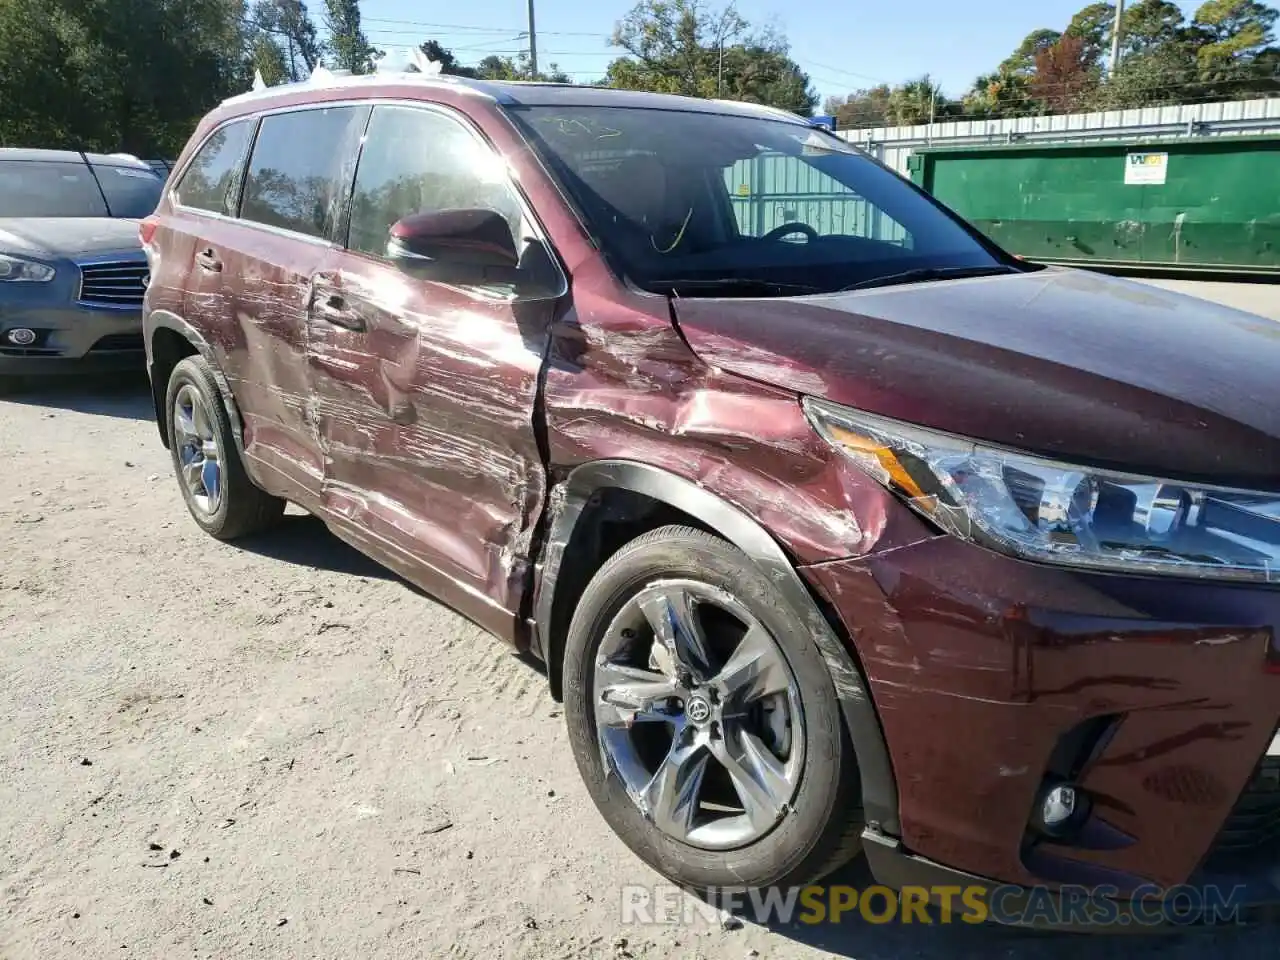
71 339
982 667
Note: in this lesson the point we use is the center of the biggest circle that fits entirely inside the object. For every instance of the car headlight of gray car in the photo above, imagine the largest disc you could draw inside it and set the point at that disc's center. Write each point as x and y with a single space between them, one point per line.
17 270
1050 512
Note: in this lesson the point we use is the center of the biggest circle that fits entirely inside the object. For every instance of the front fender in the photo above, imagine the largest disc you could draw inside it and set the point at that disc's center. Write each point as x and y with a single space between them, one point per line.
879 789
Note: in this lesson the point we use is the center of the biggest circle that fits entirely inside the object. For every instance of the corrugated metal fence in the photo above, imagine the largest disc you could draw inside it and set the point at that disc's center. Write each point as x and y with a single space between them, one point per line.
772 189
894 145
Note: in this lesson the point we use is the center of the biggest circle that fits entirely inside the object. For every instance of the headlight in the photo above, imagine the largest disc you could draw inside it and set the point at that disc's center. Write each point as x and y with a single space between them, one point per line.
1051 512
15 269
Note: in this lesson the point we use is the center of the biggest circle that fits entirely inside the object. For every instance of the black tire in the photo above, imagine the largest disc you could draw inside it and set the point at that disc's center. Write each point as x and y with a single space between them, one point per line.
821 829
244 507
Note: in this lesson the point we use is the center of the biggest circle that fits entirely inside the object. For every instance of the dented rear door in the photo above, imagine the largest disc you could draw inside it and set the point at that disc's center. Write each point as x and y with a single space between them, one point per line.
294 190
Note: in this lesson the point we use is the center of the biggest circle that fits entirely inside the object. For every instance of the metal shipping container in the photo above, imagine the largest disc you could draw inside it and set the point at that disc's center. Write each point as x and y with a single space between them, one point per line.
1198 204
893 146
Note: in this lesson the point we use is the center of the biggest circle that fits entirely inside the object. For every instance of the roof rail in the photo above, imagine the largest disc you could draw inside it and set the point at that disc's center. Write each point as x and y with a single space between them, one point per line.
412 66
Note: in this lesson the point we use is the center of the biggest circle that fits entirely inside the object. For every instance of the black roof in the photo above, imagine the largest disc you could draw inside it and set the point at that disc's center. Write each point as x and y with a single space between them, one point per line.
73 156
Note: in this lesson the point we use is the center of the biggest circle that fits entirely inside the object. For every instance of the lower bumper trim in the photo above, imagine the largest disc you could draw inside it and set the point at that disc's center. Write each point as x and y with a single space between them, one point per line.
969 899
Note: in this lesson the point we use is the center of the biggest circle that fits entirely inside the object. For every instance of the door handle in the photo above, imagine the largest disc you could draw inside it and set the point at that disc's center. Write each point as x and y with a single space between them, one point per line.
207 259
333 309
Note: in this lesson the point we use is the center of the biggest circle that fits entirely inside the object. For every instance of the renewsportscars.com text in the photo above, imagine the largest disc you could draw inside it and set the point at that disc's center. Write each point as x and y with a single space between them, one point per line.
667 904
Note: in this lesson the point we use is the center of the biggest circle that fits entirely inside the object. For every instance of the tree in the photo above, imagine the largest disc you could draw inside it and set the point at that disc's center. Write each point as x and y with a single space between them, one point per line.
37 90
1164 74
682 46
289 24
1233 34
1023 60
494 67
1004 93
916 101
1093 26
1065 74
1149 24
268 60
348 46
131 75
862 108
442 55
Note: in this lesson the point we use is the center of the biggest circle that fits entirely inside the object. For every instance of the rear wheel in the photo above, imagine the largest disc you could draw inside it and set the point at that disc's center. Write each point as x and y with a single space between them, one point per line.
704 720
218 492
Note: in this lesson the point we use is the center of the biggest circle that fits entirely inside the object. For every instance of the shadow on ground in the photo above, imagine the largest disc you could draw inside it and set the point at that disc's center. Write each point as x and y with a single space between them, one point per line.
856 938
305 540
125 396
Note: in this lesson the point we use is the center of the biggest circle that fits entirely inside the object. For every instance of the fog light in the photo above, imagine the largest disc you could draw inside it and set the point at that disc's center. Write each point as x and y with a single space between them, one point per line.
1058 807
21 336
1063 808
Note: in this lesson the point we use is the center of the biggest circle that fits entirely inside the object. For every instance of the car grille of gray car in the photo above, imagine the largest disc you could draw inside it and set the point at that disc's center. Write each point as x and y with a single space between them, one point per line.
119 284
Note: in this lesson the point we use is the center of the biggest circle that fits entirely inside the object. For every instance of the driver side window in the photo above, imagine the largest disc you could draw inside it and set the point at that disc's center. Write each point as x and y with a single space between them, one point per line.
770 190
419 161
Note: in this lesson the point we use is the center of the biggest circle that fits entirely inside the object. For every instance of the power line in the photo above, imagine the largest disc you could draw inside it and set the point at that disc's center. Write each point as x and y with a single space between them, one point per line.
462 27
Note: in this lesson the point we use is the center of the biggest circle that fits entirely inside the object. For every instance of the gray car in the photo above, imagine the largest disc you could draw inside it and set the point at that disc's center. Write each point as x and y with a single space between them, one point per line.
72 271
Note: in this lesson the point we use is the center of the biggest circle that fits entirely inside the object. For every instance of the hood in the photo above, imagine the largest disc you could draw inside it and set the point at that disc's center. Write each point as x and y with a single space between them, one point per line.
70 237
1064 363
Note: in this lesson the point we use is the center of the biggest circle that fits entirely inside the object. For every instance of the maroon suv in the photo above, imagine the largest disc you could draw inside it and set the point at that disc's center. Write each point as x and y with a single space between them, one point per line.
835 526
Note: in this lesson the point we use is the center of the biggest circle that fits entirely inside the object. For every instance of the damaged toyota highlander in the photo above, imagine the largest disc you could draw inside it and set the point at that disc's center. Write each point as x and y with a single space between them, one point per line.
837 528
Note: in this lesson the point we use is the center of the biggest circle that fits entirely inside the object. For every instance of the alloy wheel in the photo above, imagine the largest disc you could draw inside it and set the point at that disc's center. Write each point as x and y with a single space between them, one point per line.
698 714
199 456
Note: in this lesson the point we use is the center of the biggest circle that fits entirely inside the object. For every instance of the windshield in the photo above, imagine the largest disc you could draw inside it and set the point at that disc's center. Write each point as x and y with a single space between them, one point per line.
705 203
55 188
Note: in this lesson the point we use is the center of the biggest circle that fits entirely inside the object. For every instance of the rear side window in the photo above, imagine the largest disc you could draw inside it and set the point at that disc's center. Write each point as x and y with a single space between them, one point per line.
49 188
418 161
210 182
300 170
130 191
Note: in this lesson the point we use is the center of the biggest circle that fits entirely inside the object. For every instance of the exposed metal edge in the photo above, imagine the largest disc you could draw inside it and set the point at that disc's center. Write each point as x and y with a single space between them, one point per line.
879 788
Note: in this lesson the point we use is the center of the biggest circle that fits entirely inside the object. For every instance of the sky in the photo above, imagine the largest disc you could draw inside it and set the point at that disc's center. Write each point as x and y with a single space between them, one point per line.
853 44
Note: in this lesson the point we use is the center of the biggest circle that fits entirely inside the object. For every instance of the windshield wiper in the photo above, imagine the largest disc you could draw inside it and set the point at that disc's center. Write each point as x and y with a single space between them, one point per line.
929 273
741 286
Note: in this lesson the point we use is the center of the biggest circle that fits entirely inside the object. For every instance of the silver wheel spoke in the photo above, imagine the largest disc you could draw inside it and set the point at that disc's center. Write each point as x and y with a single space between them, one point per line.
670 612
755 669
627 695
182 422
210 478
758 776
671 798
191 474
200 420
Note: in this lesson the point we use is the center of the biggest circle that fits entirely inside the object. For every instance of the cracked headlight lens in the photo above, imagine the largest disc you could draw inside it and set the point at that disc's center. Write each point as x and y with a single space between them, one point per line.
1060 513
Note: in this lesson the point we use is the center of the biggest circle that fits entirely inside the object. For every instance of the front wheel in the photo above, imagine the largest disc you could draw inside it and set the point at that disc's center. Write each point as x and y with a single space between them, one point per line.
704 720
218 492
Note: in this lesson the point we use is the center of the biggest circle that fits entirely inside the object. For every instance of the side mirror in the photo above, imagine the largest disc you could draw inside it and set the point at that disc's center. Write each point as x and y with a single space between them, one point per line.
455 246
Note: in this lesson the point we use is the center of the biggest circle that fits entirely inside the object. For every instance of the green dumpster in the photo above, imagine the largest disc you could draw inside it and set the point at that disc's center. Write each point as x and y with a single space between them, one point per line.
1194 205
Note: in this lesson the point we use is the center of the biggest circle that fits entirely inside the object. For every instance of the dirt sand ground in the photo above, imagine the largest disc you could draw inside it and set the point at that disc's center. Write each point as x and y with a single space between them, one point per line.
276 749
1260 298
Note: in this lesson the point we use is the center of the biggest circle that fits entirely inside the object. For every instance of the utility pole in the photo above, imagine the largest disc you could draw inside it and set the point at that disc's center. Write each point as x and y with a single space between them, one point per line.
533 46
720 70
1116 31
